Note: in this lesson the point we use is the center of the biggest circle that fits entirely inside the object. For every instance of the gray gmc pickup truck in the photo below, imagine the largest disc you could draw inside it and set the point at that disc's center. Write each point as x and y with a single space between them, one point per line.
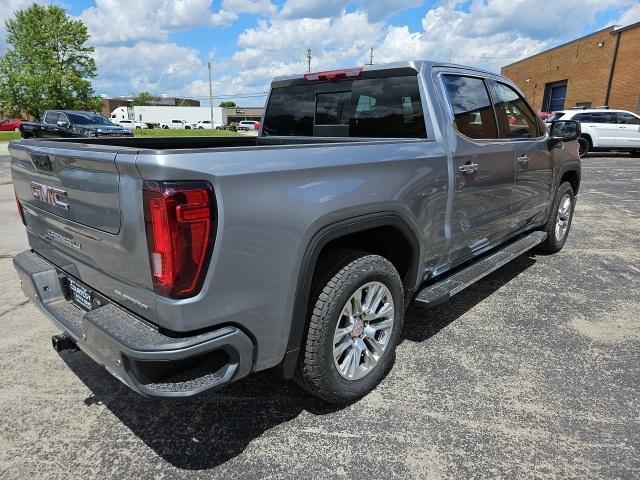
183 264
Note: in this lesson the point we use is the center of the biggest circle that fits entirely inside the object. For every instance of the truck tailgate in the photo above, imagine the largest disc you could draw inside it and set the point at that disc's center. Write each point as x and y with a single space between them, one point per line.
82 208
83 189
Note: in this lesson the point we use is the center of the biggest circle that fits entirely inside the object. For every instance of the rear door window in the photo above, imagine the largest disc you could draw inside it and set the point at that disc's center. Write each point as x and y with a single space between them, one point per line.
471 106
375 107
603 117
627 119
515 117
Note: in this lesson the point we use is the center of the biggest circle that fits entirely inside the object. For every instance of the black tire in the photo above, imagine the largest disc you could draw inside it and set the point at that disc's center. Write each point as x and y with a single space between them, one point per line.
165 127
584 146
553 244
341 275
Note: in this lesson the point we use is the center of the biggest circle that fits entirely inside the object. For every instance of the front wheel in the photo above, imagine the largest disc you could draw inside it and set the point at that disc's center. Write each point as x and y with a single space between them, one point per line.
356 318
559 222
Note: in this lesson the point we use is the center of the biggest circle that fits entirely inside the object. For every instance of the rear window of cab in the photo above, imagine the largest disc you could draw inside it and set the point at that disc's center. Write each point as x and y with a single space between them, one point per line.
376 107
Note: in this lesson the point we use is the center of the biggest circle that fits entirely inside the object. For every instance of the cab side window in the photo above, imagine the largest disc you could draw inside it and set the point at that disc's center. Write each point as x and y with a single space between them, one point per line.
515 117
627 119
471 106
51 118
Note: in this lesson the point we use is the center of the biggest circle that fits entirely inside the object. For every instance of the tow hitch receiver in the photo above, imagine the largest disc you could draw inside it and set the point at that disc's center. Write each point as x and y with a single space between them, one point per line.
62 342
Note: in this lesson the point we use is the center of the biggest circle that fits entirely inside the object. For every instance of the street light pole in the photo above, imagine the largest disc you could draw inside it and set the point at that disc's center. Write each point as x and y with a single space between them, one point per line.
210 94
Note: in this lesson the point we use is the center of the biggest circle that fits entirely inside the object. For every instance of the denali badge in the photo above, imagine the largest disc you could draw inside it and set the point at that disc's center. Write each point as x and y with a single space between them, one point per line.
62 239
52 196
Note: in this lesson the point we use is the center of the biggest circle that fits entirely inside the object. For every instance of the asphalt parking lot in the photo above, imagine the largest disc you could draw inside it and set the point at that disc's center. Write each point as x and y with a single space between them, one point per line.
533 372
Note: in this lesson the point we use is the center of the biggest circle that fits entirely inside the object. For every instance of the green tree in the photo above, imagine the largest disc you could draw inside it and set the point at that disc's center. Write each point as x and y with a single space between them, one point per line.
47 64
228 104
145 98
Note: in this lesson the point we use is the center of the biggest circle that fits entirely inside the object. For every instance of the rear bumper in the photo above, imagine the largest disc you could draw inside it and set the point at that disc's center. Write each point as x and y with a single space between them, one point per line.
136 353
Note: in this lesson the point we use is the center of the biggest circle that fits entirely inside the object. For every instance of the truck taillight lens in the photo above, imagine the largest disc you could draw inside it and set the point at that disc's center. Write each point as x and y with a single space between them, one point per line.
180 225
20 210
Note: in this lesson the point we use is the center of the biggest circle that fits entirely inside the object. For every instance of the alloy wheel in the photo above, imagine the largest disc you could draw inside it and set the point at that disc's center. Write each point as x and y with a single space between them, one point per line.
363 331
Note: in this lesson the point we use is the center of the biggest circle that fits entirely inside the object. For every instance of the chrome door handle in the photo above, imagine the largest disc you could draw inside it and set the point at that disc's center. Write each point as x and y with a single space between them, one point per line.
523 159
469 168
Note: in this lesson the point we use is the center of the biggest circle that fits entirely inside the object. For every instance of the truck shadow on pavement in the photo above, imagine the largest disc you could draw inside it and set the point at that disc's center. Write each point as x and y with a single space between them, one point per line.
209 430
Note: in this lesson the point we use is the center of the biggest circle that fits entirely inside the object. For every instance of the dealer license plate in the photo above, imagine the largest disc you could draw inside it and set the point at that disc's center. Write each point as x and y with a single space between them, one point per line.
81 295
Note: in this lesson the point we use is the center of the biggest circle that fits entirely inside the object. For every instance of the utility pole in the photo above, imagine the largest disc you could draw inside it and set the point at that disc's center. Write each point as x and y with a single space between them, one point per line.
308 59
371 57
210 93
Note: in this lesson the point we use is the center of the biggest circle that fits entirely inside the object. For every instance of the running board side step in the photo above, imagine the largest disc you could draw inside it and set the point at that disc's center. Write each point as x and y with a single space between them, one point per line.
447 288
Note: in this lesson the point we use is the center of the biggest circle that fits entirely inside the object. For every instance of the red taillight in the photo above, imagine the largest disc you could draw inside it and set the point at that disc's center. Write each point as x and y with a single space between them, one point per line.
180 222
20 210
333 75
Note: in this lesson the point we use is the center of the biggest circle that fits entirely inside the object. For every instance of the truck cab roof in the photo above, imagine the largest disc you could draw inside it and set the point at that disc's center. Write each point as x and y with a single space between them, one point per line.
416 65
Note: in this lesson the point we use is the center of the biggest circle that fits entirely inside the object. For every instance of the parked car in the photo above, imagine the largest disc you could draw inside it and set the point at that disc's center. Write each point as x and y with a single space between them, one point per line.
248 125
206 124
183 264
605 130
176 125
72 123
11 125
131 124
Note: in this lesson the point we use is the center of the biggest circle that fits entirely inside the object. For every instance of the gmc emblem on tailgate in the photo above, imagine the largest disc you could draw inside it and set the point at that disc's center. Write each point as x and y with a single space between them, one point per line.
50 195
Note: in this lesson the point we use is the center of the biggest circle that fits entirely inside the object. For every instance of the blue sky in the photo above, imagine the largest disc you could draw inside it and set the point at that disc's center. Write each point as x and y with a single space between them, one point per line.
163 46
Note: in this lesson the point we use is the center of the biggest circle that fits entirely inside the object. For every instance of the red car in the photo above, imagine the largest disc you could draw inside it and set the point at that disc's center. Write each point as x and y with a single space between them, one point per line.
11 125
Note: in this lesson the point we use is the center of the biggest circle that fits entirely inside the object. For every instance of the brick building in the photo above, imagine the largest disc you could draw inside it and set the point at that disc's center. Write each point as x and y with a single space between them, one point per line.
602 68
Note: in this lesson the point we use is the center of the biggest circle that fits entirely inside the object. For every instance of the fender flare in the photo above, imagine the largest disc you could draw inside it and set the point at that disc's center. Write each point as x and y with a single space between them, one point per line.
573 166
319 240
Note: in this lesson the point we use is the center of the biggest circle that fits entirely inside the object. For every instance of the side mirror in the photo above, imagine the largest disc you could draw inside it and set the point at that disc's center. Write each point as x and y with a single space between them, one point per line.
565 131
62 123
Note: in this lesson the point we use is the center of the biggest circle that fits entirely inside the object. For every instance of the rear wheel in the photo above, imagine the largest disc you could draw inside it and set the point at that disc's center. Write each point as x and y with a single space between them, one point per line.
559 222
583 146
355 324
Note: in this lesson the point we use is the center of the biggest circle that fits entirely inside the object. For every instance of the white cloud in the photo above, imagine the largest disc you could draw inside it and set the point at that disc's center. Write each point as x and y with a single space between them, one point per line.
538 20
279 47
156 67
632 15
116 22
7 11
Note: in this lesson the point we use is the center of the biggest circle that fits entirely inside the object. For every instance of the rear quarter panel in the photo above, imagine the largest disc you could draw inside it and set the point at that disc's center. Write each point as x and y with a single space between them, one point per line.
271 202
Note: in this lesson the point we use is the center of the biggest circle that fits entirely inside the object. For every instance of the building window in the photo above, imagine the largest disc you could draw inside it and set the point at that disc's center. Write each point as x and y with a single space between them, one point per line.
554 96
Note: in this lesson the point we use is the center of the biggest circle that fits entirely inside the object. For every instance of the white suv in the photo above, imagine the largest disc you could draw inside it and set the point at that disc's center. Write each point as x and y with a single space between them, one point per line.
604 129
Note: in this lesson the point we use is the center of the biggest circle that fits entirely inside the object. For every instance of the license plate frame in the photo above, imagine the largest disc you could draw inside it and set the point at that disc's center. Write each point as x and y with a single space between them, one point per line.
81 295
